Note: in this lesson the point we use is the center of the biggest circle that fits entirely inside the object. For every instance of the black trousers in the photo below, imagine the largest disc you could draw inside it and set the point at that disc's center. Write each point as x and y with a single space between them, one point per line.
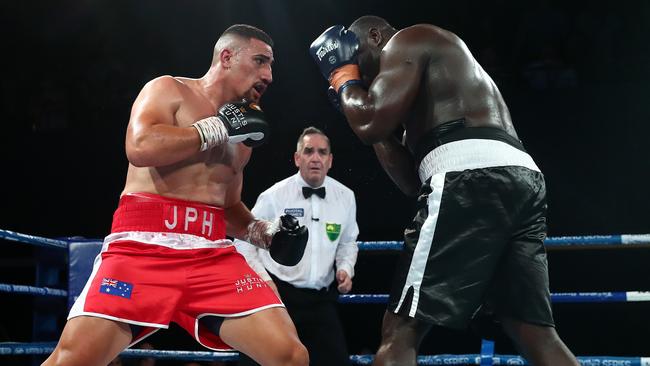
316 317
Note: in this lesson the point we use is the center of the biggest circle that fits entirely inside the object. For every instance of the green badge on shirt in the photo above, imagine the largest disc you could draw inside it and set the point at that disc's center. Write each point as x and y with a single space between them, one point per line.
333 230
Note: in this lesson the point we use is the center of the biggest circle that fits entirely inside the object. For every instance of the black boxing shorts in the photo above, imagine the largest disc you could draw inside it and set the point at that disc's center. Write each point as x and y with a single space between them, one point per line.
477 238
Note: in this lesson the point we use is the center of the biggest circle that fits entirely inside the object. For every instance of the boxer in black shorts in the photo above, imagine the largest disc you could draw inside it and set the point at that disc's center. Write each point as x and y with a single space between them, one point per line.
471 235
476 243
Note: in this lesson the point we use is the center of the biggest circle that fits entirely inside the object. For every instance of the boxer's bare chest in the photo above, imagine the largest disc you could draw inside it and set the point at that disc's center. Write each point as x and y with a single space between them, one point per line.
219 163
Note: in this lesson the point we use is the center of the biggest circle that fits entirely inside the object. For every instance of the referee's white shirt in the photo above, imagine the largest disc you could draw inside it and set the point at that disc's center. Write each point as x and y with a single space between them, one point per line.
332 228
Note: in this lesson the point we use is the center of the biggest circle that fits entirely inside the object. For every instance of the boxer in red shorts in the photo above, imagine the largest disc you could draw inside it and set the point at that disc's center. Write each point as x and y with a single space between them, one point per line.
167 258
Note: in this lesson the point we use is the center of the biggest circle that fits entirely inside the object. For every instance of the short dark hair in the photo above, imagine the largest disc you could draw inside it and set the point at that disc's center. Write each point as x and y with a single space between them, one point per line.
311 130
362 24
248 31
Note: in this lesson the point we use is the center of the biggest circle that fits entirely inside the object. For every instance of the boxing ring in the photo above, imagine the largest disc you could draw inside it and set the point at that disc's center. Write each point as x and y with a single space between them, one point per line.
81 252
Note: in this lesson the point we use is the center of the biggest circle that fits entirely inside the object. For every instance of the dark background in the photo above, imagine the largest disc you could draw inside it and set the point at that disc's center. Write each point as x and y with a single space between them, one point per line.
574 73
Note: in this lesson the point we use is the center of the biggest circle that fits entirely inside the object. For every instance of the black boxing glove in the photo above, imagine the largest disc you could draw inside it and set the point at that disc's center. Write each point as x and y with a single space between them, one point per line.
288 244
335 52
284 238
245 122
234 122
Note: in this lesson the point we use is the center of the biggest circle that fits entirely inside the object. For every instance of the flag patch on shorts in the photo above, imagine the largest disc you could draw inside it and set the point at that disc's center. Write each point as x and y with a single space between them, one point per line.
116 287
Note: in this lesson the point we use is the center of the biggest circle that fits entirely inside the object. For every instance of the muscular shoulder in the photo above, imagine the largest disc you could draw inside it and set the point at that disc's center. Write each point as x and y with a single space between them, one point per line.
425 39
165 84
163 92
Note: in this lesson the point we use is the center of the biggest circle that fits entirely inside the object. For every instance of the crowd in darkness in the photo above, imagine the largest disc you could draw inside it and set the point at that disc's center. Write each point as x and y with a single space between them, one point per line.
541 45
553 47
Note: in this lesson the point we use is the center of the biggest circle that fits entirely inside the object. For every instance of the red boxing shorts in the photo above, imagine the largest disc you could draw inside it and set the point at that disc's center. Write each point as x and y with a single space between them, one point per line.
169 260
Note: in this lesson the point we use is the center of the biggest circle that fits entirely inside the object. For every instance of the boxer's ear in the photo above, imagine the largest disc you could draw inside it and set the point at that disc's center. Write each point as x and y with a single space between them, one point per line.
374 36
225 57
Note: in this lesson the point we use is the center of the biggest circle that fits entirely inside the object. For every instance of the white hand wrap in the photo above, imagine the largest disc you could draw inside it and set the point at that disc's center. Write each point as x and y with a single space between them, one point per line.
211 131
260 232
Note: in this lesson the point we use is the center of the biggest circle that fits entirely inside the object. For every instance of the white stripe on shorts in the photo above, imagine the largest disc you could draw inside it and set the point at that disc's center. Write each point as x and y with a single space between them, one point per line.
457 156
78 306
422 248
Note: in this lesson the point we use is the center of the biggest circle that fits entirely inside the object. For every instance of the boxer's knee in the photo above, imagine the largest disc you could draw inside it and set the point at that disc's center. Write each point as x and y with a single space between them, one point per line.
401 338
392 353
295 354
71 355
64 354
89 341
399 329
286 351
540 345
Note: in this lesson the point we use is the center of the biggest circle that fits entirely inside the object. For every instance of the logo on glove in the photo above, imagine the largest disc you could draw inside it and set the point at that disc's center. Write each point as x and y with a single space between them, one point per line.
233 111
323 50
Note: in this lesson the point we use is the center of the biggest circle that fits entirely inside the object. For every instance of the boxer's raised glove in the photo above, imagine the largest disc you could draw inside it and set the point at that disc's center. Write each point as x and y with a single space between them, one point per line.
285 238
234 122
335 52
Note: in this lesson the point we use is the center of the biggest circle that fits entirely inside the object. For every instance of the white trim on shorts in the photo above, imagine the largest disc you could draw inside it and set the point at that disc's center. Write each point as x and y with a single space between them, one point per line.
460 155
176 241
78 306
156 327
247 312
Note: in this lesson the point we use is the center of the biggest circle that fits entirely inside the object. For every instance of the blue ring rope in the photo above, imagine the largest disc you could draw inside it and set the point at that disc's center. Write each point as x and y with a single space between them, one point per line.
551 241
45 348
31 290
558 241
562 297
31 239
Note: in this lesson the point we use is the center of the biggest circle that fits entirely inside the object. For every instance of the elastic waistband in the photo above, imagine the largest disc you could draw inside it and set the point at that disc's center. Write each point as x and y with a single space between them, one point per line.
147 212
456 130
460 155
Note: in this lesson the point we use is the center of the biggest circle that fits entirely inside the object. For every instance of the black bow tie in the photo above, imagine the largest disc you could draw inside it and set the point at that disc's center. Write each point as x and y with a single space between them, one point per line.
308 191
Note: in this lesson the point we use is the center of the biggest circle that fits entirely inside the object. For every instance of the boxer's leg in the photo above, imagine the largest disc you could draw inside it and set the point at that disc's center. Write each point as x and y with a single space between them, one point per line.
267 336
90 341
522 293
540 345
400 339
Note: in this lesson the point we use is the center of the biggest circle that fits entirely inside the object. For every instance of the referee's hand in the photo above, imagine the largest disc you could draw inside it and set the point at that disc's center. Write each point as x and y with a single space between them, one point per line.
344 281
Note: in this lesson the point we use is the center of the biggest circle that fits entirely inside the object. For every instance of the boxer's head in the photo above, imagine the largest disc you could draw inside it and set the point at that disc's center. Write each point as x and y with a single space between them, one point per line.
245 53
313 156
373 33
